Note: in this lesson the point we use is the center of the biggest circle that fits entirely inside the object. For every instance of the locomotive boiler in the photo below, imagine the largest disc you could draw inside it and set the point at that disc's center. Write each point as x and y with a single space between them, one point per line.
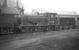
37 23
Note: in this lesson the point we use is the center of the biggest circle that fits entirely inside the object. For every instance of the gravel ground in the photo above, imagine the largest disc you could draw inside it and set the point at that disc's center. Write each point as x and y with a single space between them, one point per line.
54 40
54 44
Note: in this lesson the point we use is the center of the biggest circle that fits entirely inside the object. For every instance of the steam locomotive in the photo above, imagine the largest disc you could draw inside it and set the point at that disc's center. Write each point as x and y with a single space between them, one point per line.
10 11
48 22
8 21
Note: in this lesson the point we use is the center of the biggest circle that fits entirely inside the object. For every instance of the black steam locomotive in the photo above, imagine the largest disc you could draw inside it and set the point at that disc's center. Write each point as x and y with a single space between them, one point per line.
47 22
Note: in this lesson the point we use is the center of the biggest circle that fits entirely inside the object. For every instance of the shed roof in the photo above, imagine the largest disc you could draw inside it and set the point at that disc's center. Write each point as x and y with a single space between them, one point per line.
9 10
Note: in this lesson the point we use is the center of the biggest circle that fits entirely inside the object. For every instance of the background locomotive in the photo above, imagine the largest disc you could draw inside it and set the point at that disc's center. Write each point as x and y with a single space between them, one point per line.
9 16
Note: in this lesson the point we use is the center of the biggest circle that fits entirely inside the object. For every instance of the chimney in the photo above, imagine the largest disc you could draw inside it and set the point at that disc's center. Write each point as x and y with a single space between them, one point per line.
4 3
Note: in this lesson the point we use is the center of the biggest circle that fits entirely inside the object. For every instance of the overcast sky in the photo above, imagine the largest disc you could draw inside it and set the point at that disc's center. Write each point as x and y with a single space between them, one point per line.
54 5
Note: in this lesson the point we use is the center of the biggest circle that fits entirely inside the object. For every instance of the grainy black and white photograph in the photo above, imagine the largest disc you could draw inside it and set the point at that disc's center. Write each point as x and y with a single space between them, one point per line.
39 25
